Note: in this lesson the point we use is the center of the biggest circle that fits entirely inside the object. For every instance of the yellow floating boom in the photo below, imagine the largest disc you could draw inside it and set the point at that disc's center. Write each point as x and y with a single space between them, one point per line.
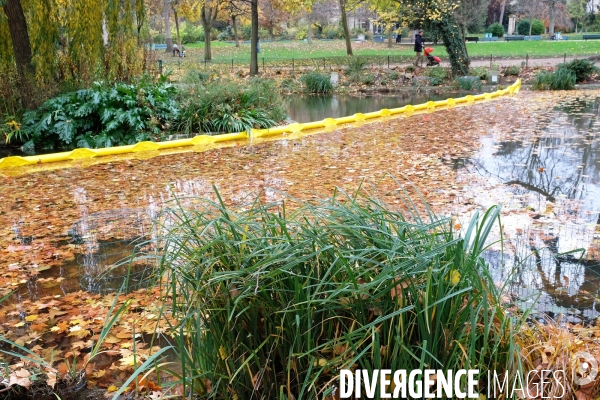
84 153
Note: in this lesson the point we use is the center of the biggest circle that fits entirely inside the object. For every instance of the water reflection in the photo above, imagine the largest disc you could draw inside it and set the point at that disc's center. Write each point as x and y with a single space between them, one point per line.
551 169
307 108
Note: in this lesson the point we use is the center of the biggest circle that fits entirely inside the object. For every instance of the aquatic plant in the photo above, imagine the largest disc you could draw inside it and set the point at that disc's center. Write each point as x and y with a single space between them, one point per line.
316 82
277 302
224 106
561 79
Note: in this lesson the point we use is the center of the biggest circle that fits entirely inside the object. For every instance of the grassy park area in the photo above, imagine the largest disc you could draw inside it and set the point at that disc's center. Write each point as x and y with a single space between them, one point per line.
224 52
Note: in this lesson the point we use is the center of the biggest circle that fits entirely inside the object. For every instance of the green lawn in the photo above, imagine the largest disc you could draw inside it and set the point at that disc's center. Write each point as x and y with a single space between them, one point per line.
272 51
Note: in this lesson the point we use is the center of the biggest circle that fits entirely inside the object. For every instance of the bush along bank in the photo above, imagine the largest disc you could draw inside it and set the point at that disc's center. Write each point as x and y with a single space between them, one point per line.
148 110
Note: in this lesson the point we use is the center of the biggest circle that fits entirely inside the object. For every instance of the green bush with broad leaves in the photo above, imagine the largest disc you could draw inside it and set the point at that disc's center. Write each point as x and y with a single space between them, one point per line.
102 116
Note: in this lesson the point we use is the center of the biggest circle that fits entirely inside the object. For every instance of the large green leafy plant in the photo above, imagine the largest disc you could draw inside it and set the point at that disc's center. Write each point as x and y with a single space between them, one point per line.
102 116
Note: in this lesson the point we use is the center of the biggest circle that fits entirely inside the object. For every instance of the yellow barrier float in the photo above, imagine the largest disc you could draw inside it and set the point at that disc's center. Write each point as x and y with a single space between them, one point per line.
206 140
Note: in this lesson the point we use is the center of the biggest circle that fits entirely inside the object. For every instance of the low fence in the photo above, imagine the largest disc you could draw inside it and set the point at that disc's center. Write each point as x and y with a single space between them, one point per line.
330 63
408 110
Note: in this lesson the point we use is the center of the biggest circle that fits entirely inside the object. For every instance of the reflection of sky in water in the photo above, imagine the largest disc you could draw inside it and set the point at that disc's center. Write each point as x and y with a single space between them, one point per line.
553 173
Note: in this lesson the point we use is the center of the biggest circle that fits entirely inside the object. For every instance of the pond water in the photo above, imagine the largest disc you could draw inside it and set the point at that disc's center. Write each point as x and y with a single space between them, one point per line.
548 168
308 108
551 170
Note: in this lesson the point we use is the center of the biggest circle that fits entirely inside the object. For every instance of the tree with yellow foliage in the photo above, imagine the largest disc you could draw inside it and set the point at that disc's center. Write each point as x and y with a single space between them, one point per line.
98 39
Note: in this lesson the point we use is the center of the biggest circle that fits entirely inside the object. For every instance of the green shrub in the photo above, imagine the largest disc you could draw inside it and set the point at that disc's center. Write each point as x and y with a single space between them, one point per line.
537 28
226 34
512 70
301 35
195 77
226 106
190 33
345 282
356 64
332 32
367 79
438 73
103 116
561 79
496 29
394 75
410 69
315 82
289 33
582 68
480 72
468 83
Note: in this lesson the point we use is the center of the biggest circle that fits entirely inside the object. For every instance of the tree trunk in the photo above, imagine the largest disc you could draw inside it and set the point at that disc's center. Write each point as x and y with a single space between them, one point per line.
167 16
345 26
390 34
254 38
455 46
463 30
502 7
207 26
530 24
552 9
177 29
235 31
17 26
309 31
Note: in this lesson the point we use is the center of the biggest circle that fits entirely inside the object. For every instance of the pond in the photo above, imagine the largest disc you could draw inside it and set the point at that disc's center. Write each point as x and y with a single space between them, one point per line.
308 108
552 171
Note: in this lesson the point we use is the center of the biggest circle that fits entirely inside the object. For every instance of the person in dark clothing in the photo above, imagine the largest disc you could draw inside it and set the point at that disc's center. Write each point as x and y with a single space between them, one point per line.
419 48
398 38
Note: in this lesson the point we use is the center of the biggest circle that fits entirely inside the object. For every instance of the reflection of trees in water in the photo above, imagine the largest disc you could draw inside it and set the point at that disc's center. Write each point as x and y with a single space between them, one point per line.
548 164
559 159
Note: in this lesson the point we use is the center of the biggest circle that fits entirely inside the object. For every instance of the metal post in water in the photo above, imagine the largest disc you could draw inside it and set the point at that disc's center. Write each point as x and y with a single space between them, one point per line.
491 58
565 59
160 66
527 61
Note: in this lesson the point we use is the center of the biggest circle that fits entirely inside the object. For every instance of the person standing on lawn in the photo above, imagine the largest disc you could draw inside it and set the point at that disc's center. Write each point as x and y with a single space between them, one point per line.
419 48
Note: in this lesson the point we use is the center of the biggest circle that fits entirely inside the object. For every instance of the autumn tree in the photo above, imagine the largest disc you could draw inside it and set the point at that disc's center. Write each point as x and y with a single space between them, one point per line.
272 15
208 14
388 15
576 9
236 10
99 39
554 7
344 17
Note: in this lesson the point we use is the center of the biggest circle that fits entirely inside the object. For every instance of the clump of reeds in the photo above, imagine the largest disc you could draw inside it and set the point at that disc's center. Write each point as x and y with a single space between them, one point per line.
273 303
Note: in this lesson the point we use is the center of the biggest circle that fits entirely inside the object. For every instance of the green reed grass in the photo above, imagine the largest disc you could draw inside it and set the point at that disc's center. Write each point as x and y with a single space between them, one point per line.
273 303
